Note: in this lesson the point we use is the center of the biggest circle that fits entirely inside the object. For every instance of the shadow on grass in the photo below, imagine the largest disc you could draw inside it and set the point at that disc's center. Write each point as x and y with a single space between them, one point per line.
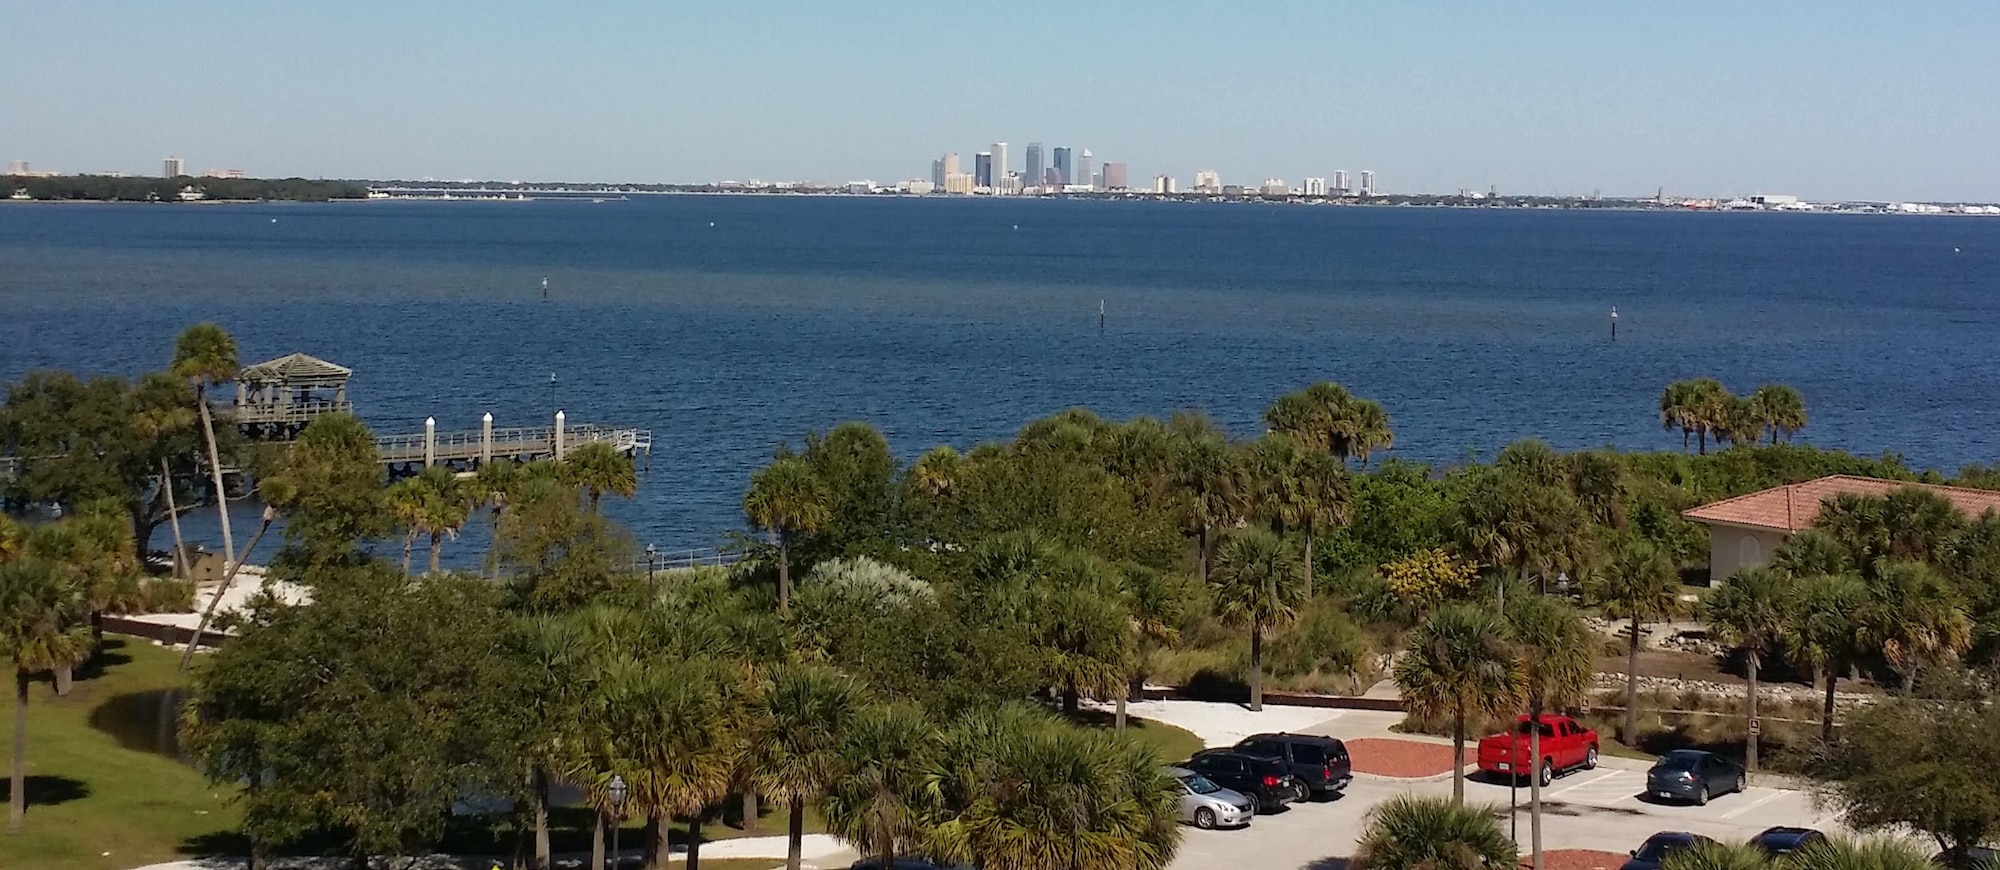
47 791
143 721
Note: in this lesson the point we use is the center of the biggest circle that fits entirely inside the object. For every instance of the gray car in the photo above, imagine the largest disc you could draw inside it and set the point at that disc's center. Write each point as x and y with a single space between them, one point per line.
1207 805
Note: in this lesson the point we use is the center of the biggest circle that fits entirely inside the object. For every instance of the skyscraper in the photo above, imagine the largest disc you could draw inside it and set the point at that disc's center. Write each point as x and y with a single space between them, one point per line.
999 163
982 169
1114 176
1367 183
1207 181
1340 187
937 172
174 167
1033 175
1083 175
1165 184
1065 164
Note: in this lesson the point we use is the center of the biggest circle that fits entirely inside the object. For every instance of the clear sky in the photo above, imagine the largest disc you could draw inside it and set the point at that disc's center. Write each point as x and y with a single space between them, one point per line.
1822 99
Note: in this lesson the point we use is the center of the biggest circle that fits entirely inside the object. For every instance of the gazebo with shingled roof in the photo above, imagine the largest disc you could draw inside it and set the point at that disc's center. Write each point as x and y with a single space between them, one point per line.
275 399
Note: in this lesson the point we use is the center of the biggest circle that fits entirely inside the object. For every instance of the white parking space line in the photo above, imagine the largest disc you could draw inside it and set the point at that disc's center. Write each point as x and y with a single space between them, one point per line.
1570 788
1753 805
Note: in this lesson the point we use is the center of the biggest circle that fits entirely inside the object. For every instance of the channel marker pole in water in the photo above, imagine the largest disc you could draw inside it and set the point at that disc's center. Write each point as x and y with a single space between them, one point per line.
1614 323
1100 315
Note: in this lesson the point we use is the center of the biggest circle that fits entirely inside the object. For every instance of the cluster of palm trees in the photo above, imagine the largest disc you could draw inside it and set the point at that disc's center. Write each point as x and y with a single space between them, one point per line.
1703 408
436 503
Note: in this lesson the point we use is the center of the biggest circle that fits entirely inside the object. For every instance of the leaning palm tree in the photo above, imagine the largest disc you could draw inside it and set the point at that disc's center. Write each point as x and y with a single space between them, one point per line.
787 499
1749 612
1408 832
1781 408
205 356
41 629
1717 856
1555 650
885 793
1638 585
801 716
156 425
598 468
1876 853
1256 585
1460 664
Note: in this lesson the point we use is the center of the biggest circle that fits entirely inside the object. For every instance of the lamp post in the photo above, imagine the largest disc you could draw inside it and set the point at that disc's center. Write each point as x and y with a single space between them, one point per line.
652 556
616 790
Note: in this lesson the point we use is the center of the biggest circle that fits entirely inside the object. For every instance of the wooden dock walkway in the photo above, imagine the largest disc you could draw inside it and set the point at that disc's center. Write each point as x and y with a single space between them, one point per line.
520 444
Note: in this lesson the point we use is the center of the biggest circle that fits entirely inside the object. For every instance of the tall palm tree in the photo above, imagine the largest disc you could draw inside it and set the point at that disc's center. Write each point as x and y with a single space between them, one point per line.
1710 407
41 629
1555 650
786 499
801 717
1915 617
405 499
447 506
1300 490
93 552
1781 408
205 356
1639 585
1210 479
597 468
1677 410
886 790
1826 631
1408 832
677 746
1750 612
1460 663
157 424
1717 856
1256 585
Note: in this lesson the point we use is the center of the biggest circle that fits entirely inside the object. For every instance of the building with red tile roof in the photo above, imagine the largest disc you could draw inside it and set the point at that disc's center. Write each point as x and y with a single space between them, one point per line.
1744 530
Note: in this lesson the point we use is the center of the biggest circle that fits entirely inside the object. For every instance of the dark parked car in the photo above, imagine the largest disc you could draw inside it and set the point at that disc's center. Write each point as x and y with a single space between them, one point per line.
1693 775
1321 763
1658 846
1262 779
1781 841
1976 858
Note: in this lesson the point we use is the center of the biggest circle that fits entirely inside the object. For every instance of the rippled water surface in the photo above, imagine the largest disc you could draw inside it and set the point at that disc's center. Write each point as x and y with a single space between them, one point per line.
956 321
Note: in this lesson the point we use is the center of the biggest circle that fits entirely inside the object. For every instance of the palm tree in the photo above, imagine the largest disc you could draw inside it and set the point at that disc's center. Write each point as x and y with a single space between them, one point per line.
1555 651
1915 617
205 356
1677 410
1256 586
1210 479
1781 408
1640 585
1717 856
885 793
787 499
1408 832
41 629
801 717
155 425
675 741
1878 853
1709 407
405 500
1059 798
447 506
1326 417
1825 631
597 468
1750 612
1460 664
1300 489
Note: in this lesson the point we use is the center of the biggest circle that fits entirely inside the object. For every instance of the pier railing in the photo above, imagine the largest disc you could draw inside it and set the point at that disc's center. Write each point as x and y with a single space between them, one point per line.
697 557
530 442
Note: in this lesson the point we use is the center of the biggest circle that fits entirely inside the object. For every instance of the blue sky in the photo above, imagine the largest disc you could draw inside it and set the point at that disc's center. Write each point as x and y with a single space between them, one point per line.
1821 99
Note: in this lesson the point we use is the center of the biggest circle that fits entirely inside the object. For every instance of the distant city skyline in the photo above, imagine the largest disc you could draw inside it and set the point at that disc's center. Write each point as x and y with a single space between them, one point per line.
1836 99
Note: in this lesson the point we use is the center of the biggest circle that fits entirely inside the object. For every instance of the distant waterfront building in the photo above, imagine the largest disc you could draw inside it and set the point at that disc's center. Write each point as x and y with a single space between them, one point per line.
982 169
173 167
1115 177
1340 186
1232 190
937 172
17 167
999 163
1083 175
1065 165
920 186
1010 185
1165 184
224 173
1033 176
1367 183
1052 177
958 182
1275 187
1207 181
1315 187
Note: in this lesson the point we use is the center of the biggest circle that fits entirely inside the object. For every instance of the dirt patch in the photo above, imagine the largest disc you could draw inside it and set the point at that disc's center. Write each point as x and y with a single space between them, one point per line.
1407 759
1577 859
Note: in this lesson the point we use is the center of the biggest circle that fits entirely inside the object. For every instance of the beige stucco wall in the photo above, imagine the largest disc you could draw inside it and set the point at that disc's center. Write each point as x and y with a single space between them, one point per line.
1731 548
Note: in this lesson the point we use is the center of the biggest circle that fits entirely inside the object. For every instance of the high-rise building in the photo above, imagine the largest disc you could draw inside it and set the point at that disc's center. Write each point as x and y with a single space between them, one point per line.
1207 181
1367 183
1083 175
1275 187
1340 186
1052 177
1315 187
999 162
958 182
982 169
1065 163
1033 176
937 172
1114 177
173 167
1164 184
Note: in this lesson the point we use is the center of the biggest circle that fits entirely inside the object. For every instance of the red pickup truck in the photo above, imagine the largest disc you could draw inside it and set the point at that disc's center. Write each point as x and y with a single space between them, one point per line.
1566 746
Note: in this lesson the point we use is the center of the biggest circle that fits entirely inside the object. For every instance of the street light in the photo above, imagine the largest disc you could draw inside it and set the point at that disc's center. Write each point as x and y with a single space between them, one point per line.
617 792
652 555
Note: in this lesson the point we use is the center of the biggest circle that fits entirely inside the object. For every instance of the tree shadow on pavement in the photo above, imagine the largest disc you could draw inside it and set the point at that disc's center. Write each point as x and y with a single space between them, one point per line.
1329 863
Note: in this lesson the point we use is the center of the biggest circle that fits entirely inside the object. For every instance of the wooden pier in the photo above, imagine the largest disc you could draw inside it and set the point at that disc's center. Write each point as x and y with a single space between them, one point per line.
470 450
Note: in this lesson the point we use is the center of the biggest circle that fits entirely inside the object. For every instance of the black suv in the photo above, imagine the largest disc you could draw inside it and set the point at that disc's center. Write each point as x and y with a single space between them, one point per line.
1260 779
1321 763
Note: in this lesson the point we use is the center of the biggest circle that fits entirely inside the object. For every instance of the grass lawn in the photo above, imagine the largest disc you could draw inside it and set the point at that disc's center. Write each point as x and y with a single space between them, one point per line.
93 803
1173 744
